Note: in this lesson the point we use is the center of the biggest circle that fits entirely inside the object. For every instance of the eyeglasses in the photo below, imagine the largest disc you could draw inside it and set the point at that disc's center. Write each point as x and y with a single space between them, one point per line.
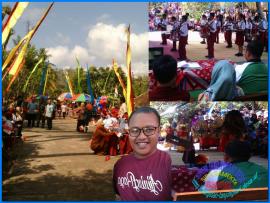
148 131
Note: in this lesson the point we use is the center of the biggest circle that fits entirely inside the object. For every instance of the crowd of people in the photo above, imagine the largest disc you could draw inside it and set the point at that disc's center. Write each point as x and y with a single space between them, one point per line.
218 129
175 24
109 138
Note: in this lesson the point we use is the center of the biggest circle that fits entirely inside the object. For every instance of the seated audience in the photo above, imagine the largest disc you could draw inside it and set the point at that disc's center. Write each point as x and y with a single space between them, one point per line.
165 72
252 76
223 84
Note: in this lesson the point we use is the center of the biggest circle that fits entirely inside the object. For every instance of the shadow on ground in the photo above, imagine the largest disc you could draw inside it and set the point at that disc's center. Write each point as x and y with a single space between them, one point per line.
90 186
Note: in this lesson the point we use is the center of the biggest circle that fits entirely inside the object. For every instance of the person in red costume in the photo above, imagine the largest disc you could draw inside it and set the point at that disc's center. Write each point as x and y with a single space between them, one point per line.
233 128
102 139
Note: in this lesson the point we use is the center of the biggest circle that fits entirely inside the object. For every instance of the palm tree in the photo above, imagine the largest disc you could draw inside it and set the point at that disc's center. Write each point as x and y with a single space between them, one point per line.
6 10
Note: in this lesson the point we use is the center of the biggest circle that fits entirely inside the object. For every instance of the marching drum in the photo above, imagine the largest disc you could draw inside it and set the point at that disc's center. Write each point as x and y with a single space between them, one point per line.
205 32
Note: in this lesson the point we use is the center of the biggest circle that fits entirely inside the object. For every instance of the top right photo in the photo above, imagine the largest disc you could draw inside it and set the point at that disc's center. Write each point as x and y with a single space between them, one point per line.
220 50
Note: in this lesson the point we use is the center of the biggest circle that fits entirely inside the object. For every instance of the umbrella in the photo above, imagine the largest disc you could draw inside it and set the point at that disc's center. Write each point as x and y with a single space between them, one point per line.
82 97
64 96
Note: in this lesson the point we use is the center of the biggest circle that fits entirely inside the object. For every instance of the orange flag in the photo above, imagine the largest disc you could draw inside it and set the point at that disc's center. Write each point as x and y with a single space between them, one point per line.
15 75
130 97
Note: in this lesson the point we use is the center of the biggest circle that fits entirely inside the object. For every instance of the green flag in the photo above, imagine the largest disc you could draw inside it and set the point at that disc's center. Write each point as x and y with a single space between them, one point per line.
34 69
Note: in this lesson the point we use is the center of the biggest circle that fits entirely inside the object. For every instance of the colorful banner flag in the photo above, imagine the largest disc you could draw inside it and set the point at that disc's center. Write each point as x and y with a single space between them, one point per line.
115 91
115 68
42 80
79 78
130 97
16 13
26 41
69 83
34 69
46 80
14 51
90 90
15 76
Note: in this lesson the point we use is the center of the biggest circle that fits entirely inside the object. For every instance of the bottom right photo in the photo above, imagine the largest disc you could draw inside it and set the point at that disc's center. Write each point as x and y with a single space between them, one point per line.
219 150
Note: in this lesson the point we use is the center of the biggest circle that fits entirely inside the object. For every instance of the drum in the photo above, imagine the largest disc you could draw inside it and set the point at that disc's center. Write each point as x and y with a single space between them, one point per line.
205 32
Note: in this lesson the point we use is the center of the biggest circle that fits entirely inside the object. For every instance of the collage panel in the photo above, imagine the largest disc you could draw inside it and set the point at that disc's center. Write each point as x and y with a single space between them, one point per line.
215 51
216 148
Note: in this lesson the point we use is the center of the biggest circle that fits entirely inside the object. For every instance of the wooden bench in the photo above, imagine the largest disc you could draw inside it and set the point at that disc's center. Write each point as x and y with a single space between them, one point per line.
248 194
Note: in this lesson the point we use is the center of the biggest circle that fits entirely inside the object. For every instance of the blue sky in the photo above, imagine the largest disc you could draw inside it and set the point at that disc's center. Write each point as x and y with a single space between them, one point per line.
94 32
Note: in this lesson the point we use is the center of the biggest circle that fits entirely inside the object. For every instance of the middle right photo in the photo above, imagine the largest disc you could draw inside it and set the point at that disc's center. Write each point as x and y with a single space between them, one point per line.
214 51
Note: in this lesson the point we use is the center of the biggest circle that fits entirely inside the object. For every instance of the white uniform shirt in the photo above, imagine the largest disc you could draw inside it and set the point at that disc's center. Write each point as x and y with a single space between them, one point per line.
183 29
203 22
241 25
49 110
228 25
213 26
263 25
218 23
248 25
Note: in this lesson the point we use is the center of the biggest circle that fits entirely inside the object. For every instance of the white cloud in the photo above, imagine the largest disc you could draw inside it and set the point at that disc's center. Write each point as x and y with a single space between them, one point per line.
103 43
63 57
108 42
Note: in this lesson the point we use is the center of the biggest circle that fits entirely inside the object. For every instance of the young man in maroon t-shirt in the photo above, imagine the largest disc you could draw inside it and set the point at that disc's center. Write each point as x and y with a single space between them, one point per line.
144 174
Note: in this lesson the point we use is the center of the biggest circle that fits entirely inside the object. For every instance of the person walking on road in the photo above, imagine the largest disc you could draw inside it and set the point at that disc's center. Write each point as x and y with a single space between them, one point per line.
49 114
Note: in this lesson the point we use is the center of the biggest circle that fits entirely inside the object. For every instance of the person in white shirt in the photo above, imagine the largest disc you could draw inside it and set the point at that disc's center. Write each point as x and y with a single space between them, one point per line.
211 38
204 28
240 33
64 110
228 28
218 24
49 113
248 30
183 36
263 32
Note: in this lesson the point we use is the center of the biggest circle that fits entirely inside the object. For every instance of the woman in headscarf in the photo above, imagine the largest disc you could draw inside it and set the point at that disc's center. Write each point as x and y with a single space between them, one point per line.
223 83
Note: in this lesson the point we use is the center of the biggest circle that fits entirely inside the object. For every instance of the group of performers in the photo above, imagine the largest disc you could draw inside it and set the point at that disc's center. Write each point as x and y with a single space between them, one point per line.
211 130
111 134
246 25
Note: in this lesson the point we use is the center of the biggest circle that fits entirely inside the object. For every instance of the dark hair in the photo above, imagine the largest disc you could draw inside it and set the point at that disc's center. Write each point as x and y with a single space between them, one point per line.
212 15
238 151
165 68
184 17
234 124
255 47
145 109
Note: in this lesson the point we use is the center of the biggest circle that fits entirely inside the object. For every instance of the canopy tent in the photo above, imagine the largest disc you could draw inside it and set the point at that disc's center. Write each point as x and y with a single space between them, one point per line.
64 96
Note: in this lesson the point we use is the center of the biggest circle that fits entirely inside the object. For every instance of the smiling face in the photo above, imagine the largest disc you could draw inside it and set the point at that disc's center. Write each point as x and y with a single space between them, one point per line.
143 146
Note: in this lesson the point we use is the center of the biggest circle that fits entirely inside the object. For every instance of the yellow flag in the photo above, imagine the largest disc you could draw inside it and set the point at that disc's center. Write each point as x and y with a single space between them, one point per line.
26 39
16 13
115 68
69 83
14 50
130 97
20 57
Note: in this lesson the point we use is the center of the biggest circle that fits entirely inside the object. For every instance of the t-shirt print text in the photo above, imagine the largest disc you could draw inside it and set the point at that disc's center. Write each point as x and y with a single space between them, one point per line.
140 184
